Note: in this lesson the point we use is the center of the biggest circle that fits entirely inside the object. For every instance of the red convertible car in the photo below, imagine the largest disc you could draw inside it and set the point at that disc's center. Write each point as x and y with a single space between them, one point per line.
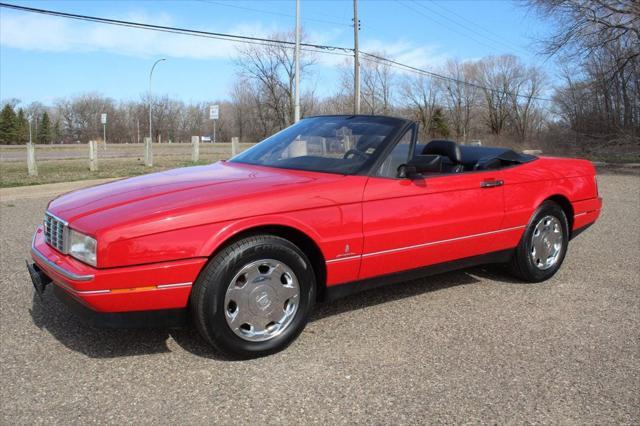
331 205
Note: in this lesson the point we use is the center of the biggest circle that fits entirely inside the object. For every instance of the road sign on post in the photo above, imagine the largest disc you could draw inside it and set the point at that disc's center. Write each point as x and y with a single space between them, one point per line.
103 120
214 114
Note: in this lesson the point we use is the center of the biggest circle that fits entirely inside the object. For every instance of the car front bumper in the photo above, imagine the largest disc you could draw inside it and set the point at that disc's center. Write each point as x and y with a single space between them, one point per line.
109 296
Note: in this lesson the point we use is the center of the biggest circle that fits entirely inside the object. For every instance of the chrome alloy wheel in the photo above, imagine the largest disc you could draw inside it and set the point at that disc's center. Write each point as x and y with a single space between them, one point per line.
546 242
262 300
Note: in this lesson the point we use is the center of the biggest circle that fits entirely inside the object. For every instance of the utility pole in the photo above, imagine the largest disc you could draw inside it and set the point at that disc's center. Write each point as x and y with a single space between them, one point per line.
297 82
356 60
151 99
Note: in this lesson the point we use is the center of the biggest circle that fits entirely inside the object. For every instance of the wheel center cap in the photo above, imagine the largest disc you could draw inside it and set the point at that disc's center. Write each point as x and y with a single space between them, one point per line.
262 300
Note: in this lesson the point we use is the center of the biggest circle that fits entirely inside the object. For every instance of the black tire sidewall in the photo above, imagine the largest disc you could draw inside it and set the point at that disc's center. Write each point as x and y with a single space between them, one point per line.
220 277
530 271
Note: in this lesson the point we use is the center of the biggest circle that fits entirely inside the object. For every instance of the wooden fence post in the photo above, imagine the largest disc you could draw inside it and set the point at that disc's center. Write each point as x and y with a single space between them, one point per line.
235 146
148 152
195 148
32 167
93 156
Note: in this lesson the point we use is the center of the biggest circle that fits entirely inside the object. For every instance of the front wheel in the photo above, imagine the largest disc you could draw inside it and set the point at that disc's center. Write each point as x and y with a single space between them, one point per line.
254 297
543 245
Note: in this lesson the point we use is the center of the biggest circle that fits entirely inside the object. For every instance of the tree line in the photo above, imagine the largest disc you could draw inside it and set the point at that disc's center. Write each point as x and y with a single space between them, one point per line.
597 43
261 102
15 127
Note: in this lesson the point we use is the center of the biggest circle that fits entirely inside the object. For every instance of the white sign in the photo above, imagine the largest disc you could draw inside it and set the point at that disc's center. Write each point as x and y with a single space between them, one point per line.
103 118
205 138
214 112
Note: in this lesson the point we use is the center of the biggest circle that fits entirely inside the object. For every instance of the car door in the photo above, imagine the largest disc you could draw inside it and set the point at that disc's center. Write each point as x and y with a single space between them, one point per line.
411 223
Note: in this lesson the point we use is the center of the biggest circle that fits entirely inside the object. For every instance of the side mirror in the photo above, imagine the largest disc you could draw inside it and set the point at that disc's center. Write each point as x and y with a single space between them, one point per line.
419 164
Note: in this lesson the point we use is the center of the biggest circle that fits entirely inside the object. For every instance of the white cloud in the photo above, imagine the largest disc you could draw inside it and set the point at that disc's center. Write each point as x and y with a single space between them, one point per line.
52 34
427 57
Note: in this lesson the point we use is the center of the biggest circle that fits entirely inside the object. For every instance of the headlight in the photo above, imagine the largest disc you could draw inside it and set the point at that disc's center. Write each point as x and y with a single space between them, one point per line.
82 247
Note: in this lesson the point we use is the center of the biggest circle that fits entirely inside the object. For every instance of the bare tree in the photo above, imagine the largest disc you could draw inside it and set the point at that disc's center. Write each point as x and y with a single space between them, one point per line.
584 27
527 87
80 117
496 76
601 38
271 66
460 95
377 84
420 94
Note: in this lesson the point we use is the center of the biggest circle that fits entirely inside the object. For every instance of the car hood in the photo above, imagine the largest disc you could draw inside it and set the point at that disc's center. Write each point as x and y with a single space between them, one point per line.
196 195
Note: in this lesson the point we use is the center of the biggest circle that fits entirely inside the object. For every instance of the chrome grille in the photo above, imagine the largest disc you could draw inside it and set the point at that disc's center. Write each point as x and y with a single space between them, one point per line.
55 232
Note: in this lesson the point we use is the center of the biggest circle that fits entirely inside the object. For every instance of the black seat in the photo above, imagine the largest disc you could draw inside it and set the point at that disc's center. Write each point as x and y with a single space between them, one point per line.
448 149
488 164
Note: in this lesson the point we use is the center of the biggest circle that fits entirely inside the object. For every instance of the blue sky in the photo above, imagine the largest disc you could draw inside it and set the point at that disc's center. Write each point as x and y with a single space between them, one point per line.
43 58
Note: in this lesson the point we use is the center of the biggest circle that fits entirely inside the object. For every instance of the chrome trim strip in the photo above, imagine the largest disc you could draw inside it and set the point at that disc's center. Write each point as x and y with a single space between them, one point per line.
164 286
442 241
57 268
90 292
427 244
81 292
342 259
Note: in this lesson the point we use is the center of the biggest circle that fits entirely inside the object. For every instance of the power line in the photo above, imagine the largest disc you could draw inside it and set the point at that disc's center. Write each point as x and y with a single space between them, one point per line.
421 71
270 12
431 18
335 50
444 24
470 29
175 30
493 35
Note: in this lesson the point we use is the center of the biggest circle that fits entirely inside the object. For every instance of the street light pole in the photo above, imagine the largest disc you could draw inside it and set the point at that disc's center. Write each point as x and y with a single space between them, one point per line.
151 99
297 82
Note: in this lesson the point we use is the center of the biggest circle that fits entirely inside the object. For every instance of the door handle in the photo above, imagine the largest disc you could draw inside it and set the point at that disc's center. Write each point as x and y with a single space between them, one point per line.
491 183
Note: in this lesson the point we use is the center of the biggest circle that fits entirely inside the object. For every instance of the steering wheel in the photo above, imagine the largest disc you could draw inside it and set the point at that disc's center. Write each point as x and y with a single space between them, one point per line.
355 153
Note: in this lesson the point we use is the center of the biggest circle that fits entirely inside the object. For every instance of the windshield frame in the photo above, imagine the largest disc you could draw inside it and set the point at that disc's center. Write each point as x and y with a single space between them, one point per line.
399 126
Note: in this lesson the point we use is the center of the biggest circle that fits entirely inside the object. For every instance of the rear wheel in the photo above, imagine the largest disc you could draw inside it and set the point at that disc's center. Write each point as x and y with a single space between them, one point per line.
543 246
254 297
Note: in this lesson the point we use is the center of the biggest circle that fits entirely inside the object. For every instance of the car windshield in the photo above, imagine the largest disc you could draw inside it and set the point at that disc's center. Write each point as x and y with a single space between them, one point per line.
332 144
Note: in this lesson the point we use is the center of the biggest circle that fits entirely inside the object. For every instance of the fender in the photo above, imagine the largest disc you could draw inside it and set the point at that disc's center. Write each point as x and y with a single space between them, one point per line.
232 228
524 197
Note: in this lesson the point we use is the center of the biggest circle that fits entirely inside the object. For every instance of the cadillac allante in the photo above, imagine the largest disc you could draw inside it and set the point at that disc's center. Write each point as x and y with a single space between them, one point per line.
244 248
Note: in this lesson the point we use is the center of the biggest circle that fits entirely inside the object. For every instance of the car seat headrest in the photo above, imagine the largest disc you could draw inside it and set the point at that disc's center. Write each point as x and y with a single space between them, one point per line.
444 147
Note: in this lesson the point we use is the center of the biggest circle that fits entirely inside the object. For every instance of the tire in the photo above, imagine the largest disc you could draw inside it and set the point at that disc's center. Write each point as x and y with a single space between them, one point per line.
534 265
239 290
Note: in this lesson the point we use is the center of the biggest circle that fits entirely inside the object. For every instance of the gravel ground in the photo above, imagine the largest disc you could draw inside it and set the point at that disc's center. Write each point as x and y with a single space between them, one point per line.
470 346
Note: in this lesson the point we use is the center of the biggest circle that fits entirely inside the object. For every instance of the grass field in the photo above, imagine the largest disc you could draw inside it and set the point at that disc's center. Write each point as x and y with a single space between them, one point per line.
65 163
